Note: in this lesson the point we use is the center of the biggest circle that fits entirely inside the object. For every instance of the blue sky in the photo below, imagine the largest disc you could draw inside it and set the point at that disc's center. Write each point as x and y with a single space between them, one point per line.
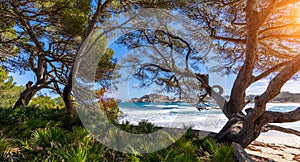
130 89
127 90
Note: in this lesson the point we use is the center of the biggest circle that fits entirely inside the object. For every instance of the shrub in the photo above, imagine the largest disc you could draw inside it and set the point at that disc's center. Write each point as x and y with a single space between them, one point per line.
220 153
39 134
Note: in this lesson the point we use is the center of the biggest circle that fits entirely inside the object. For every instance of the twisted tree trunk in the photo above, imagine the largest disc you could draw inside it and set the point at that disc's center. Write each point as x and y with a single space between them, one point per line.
242 130
67 91
67 98
239 130
27 94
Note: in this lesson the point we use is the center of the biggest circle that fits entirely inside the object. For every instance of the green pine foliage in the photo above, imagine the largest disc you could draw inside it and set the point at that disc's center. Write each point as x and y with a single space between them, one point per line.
9 92
42 102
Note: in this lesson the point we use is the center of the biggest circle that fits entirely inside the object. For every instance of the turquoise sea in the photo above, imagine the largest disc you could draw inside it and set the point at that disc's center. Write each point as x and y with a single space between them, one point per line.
184 114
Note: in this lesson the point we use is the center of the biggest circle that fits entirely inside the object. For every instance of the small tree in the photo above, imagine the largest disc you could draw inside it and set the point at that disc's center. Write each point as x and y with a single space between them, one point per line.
43 37
108 105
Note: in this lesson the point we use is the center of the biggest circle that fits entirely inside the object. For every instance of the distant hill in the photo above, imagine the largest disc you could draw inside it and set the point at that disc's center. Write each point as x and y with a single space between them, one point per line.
158 98
152 98
281 98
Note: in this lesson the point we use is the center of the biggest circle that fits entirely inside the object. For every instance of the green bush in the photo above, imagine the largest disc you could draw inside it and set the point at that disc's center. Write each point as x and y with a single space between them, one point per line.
4 148
40 134
224 154
218 152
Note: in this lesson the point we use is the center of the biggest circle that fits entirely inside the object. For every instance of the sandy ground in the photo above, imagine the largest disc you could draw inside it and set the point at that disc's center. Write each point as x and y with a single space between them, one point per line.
275 146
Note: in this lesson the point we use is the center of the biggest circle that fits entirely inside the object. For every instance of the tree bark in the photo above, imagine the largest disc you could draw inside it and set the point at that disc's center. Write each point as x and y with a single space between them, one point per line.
239 130
24 98
245 78
242 130
67 98
27 95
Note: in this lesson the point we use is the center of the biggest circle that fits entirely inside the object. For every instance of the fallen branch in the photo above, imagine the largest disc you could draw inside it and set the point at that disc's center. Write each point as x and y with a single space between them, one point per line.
269 127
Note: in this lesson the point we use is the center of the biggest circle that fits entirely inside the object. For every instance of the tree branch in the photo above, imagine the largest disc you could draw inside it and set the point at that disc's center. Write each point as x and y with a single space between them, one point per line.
269 127
234 40
296 36
96 16
27 27
280 79
281 117
274 88
186 43
278 27
157 66
269 71
274 53
265 13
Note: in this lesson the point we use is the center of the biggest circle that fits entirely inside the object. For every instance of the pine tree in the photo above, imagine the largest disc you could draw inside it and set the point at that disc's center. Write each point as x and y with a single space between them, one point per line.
8 91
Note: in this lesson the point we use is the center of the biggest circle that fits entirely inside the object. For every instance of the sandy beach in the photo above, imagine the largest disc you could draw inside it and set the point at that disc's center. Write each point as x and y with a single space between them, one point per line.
275 146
